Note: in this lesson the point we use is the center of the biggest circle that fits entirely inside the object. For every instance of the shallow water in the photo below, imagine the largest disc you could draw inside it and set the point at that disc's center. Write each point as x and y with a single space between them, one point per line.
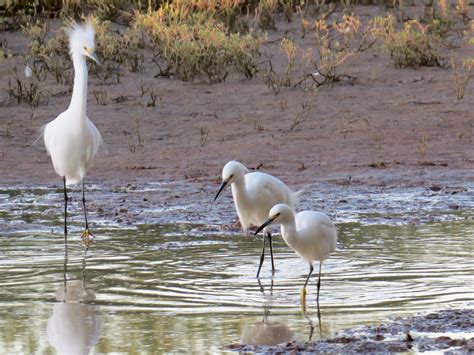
176 283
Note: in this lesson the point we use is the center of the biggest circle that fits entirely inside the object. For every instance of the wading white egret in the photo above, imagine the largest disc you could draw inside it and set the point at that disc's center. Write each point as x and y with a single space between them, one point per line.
254 195
71 139
312 235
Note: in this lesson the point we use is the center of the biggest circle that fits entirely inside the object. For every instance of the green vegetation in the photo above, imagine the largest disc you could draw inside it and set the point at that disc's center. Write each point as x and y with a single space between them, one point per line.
414 45
206 40
194 44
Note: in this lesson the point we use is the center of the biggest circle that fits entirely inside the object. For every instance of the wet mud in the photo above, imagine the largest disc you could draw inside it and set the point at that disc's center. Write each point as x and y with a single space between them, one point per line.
414 334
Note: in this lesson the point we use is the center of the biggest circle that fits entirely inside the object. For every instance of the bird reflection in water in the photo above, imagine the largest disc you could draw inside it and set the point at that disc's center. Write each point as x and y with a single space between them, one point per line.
265 332
74 327
311 325
303 311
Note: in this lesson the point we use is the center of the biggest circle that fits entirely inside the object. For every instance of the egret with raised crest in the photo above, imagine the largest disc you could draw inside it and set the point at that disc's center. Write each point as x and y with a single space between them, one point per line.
71 139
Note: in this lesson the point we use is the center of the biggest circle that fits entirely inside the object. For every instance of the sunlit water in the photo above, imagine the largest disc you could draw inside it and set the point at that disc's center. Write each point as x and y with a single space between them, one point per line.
174 284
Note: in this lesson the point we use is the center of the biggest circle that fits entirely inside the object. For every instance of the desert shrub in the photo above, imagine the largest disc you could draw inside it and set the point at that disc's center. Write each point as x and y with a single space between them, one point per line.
4 51
195 45
103 8
336 45
47 53
265 13
463 71
462 11
271 77
413 45
225 11
43 43
123 48
24 90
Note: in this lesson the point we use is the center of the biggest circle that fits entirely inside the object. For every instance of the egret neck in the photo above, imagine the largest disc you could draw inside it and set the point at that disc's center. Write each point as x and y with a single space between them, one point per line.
239 190
288 232
79 92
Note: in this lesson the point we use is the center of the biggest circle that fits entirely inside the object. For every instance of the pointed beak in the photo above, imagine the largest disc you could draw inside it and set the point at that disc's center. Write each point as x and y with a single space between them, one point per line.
224 184
94 57
266 223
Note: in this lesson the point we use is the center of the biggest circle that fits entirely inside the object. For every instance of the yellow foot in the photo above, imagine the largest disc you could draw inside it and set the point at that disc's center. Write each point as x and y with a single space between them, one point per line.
87 238
303 300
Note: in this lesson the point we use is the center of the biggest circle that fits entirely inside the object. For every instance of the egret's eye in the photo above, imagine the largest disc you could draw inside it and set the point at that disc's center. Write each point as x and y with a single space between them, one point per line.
85 48
231 176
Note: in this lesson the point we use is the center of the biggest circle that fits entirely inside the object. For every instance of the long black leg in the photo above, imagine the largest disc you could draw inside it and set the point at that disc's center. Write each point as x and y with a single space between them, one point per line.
303 291
271 251
309 275
261 256
84 204
86 235
319 283
65 217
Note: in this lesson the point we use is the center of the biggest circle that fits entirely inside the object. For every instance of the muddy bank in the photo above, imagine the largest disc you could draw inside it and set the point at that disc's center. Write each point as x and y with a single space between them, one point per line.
391 126
447 330
151 203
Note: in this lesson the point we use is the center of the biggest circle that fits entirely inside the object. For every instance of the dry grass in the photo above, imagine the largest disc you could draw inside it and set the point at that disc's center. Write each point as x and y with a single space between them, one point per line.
195 45
413 45
206 40
463 71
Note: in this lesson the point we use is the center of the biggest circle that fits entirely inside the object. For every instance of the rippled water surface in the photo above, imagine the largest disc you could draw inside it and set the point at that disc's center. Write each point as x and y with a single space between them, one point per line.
162 285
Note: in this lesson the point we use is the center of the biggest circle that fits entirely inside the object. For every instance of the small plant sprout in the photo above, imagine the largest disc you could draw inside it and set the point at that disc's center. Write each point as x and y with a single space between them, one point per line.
258 126
100 96
422 145
204 132
306 108
143 90
153 97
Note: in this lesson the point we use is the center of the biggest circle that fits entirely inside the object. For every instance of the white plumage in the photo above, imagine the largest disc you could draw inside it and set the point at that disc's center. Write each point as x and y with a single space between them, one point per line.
71 139
312 235
254 195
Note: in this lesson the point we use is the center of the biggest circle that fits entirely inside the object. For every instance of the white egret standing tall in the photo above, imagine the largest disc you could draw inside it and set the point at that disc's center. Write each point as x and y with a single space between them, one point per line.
254 195
312 235
71 139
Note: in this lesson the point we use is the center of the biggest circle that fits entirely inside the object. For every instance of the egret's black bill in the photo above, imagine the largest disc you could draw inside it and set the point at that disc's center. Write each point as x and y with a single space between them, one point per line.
224 184
94 57
266 223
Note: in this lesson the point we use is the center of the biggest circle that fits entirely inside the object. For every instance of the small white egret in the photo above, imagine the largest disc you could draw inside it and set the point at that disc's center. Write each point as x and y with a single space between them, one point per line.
312 235
71 139
254 195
